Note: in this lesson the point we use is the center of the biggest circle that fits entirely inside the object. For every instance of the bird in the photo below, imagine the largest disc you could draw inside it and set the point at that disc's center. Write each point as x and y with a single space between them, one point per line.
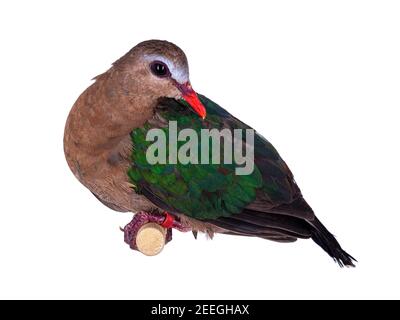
105 145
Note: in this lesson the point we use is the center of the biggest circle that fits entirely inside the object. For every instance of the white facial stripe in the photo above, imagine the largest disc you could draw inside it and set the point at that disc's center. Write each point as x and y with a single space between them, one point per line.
179 74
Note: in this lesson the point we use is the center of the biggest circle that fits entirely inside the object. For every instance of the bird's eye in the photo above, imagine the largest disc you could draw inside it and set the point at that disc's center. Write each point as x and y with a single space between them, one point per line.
159 69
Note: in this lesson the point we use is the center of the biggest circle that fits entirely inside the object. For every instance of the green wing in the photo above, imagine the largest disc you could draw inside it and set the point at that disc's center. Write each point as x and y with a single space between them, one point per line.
208 191
266 204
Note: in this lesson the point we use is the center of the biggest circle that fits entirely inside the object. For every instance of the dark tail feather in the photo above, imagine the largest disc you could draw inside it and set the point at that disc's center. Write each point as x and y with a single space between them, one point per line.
327 241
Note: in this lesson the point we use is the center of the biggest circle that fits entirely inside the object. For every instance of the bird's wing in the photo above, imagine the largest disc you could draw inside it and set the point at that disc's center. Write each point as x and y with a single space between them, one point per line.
267 198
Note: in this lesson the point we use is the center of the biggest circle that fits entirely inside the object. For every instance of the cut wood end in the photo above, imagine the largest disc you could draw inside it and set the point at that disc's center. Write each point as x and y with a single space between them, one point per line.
150 239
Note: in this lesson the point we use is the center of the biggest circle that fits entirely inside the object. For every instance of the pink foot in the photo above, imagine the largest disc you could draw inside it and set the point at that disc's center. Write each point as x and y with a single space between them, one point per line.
141 218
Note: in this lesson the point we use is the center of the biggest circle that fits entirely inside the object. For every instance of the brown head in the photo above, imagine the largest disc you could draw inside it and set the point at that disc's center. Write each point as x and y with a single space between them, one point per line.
124 97
158 69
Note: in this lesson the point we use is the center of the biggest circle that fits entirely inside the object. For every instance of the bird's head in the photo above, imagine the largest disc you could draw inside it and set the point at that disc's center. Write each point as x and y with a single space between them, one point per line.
160 69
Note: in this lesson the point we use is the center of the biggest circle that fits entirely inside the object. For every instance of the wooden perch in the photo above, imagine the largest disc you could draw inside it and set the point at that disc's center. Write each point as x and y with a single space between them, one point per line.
150 239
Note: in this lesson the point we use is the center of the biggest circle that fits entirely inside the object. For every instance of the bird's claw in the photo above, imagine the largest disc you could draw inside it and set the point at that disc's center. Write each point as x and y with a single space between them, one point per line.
141 218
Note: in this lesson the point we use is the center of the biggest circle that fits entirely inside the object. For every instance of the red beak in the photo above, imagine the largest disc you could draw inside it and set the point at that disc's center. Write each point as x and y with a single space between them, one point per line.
190 96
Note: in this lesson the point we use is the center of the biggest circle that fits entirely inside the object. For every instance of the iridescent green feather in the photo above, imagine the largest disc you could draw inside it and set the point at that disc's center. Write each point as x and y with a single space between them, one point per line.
203 191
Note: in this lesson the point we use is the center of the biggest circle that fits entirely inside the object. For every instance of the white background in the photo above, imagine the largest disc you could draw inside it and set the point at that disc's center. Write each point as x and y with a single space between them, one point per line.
320 79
